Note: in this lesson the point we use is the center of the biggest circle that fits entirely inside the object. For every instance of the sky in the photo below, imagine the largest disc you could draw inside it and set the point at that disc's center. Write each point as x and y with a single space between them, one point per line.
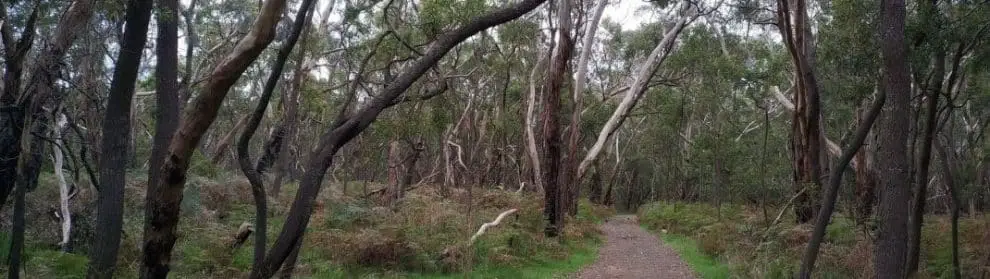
624 12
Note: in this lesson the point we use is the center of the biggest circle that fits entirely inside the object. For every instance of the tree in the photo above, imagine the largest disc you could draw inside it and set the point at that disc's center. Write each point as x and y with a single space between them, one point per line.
346 127
116 127
554 190
162 203
806 135
244 141
892 163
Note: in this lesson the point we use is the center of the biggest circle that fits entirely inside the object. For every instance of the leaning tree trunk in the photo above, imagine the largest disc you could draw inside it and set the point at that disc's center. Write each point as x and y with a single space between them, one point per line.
244 141
349 126
637 88
892 165
917 217
162 204
832 193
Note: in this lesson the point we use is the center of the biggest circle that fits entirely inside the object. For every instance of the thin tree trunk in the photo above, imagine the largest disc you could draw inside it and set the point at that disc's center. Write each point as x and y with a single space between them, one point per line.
162 210
949 175
244 141
531 147
221 150
916 219
348 126
891 242
835 180
638 86
116 127
63 186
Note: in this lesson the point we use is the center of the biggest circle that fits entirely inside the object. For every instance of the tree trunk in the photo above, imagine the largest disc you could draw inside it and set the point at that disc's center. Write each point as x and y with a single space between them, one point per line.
349 126
116 127
166 93
835 180
533 150
806 134
162 204
637 88
553 206
221 150
63 186
597 185
891 242
574 139
394 164
916 219
865 175
244 141
949 175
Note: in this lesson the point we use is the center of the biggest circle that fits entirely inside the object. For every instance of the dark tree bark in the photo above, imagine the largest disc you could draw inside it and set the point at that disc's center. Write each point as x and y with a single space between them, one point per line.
167 96
162 209
949 175
835 180
244 141
349 126
892 164
916 219
806 135
116 127
12 110
554 190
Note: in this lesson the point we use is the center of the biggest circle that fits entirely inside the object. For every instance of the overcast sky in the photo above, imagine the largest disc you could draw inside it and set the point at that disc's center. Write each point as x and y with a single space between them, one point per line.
624 12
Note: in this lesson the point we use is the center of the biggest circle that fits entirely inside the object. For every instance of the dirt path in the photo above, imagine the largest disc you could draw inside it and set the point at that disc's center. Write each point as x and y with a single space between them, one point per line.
632 252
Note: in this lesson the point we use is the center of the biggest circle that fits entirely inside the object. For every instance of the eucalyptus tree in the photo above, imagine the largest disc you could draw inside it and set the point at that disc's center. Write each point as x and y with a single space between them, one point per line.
116 128
891 243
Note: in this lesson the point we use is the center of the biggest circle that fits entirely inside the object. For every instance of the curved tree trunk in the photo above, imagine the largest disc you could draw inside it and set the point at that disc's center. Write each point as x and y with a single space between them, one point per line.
349 126
244 141
832 193
162 205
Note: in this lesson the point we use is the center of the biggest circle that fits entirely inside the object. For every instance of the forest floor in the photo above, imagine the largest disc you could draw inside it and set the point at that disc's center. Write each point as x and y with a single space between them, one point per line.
632 252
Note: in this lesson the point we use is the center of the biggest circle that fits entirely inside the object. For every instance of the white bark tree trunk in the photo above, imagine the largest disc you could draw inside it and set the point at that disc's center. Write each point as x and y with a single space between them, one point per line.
531 149
63 187
636 89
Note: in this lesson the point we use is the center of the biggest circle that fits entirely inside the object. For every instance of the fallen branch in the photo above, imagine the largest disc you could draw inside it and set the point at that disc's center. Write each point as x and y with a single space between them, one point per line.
242 234
484 227
782 210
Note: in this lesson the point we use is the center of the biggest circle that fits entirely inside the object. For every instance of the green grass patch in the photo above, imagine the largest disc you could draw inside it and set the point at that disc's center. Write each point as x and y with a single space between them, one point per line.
704 265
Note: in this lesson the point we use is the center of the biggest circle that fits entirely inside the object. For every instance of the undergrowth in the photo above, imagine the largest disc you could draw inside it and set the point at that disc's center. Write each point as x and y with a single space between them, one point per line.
423 236
735 242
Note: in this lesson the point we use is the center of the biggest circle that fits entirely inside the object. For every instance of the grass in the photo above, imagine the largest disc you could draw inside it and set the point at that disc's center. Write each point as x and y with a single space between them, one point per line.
349 236
740 245
704 265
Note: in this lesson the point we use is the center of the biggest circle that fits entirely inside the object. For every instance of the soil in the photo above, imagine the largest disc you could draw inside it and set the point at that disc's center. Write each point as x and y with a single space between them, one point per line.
632 252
